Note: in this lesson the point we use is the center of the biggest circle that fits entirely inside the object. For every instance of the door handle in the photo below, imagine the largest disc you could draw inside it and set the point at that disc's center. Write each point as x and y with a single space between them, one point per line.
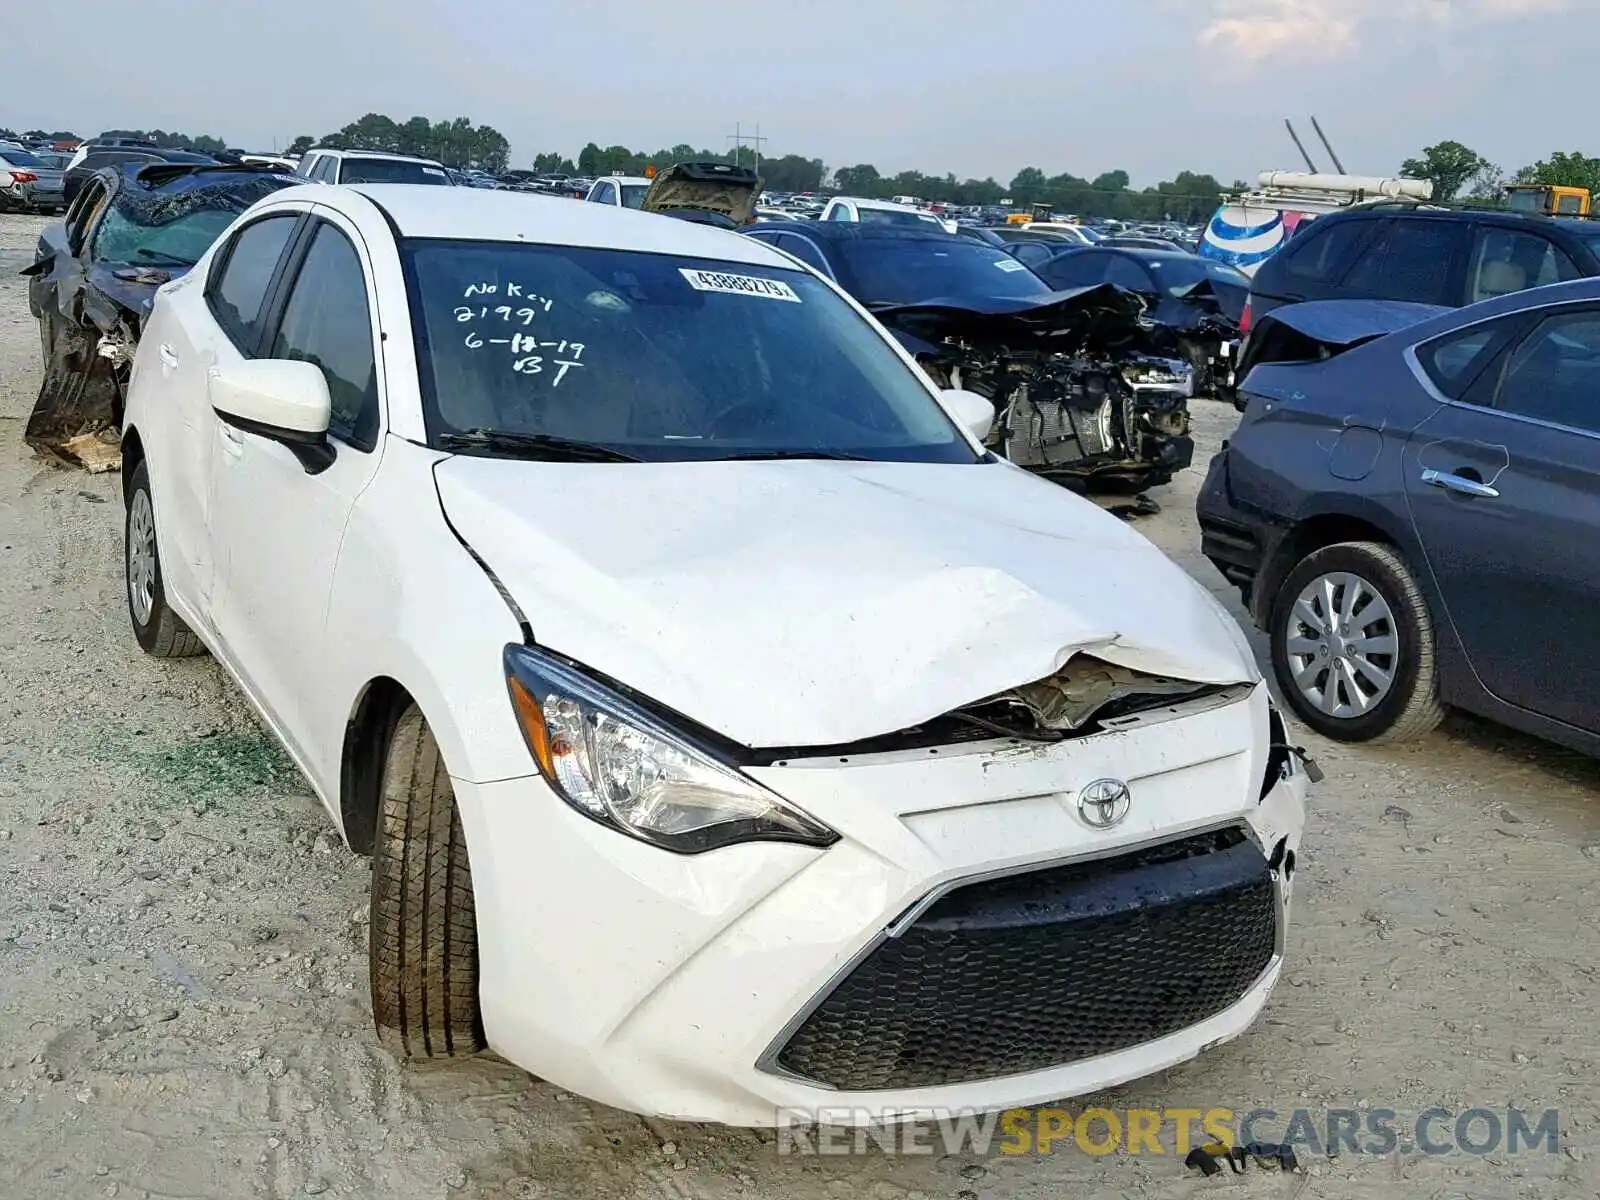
232 443
1459 484
169 356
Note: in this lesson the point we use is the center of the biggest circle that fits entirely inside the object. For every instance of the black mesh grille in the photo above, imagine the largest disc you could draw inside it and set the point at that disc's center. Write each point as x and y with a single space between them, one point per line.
1046 968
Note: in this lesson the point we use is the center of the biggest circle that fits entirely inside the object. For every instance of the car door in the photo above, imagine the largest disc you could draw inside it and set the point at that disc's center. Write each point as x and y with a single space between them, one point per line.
1503 485
1506 260
194 331
279 525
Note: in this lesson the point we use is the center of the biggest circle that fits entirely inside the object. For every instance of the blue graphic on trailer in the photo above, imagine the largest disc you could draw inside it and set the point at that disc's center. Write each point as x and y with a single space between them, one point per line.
1239 237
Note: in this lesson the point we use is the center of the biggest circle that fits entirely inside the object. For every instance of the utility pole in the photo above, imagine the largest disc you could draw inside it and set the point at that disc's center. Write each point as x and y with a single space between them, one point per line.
739 139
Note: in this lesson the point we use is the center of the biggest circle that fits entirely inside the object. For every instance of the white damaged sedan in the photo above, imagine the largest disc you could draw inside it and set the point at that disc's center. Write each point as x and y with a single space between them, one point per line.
730 732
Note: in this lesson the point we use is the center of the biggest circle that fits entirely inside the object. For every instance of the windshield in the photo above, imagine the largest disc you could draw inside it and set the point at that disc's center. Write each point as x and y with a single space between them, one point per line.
391 170
633 194
21 158
890 271
661 357
123 238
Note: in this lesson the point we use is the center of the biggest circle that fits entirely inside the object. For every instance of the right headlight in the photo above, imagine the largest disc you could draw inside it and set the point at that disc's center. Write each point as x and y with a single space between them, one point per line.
620 765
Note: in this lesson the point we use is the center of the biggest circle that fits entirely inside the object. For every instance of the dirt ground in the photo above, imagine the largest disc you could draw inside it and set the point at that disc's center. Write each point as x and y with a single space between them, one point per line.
183 1007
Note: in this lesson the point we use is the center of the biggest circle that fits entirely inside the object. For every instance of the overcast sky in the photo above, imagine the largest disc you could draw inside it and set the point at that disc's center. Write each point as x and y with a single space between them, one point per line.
1150 86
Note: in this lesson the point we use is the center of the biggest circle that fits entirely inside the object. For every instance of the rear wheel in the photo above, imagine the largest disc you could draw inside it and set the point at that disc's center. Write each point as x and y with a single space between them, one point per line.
1353 645
160 631
424 950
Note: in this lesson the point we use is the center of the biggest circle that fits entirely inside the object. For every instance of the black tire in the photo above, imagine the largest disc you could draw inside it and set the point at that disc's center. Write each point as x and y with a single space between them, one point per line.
1411 708
424 930
160 631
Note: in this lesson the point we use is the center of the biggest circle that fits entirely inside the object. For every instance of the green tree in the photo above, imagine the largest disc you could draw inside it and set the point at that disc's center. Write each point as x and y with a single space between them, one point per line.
553 163
591 160
1564 170
1028 185
860 180
301 144
1449 166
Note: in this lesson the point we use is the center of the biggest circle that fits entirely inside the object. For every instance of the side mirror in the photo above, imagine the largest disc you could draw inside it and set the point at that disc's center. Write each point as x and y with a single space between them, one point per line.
974 412
281 400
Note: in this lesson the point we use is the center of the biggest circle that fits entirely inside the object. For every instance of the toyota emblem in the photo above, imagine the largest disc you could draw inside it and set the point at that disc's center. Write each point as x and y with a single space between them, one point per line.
1104 803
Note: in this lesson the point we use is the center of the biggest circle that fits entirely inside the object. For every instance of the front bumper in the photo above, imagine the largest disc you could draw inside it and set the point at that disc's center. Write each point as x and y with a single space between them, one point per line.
678 985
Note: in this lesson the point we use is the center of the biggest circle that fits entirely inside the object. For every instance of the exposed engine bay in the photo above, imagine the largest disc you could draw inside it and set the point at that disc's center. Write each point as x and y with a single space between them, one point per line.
1082 393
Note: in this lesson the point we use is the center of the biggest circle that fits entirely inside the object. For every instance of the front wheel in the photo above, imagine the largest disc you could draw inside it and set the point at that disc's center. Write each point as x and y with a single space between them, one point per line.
1353 645
160 631
424 929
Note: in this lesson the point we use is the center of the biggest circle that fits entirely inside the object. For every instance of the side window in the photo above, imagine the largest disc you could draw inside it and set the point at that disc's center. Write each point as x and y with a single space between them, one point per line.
805 250
86 208
605 194
1554 375
1508 260
1126 273
327 322
840 213
327 169
1319 255
237 289
1458 362
308 164
1413 263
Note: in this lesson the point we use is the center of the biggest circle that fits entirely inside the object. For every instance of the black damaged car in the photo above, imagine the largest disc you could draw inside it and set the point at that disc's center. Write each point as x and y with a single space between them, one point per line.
129 230
1081 393
1197 301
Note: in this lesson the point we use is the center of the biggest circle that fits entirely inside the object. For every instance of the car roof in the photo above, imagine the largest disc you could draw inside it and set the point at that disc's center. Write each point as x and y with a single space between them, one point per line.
420 211
174 178
886 205
384 154
624 179
1576 225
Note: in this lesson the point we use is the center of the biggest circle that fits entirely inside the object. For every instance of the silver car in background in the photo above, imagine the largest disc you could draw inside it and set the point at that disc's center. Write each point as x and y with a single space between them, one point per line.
29 183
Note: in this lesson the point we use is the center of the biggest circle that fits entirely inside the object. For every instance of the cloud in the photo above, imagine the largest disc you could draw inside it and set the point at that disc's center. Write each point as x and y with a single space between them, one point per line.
1261 29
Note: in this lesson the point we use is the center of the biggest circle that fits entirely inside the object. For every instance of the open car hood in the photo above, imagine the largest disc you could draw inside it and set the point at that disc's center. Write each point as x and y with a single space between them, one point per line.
789 604
704 188
1068 322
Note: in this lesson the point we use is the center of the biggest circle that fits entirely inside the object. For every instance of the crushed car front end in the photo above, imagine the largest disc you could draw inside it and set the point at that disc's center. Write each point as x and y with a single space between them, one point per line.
1084 387
997 922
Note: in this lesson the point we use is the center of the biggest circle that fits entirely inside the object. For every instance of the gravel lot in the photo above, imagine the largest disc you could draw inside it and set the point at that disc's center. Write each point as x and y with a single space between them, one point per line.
183 1008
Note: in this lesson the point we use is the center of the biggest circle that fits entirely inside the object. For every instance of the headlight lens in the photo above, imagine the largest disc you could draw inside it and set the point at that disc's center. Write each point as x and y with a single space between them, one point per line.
622 766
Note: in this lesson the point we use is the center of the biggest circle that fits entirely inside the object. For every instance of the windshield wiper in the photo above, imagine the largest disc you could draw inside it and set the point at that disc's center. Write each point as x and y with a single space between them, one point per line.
545 446
773 455
166 259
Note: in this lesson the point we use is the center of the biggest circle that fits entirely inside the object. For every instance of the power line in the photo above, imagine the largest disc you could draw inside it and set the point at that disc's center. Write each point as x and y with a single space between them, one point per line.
740 139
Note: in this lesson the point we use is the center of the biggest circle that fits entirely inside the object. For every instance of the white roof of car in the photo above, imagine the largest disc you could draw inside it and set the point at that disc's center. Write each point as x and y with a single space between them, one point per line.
384 154
885 205
623 179
473 213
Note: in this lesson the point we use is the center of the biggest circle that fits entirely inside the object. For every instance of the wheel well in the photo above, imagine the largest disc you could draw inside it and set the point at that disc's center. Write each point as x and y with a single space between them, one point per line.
1311 535
366 741
132 456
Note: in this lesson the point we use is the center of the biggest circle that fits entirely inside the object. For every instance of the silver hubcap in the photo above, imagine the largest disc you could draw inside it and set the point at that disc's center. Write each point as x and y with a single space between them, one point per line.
1342 646
141 557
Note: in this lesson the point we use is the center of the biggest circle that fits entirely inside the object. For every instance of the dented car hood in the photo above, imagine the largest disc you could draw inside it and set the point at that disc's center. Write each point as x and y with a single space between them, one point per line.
810 603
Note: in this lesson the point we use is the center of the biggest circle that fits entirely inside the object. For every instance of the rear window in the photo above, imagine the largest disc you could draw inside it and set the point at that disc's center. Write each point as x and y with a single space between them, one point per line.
391 170
21 158
1414 261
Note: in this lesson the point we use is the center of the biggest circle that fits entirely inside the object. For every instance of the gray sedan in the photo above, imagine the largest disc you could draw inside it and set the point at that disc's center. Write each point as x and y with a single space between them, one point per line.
29 183
1411 509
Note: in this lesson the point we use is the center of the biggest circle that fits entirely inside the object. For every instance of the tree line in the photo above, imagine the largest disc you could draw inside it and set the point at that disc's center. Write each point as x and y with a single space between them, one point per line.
1458 173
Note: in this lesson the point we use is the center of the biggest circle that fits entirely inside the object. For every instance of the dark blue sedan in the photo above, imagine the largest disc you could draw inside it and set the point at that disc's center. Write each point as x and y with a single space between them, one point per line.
1412 511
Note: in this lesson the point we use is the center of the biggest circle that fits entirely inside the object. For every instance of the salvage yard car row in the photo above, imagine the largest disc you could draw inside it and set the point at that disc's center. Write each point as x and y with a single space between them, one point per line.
715 589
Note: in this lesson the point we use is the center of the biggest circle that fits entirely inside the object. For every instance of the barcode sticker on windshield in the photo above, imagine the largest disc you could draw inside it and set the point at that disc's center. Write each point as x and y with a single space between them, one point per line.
1009 264
738 285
